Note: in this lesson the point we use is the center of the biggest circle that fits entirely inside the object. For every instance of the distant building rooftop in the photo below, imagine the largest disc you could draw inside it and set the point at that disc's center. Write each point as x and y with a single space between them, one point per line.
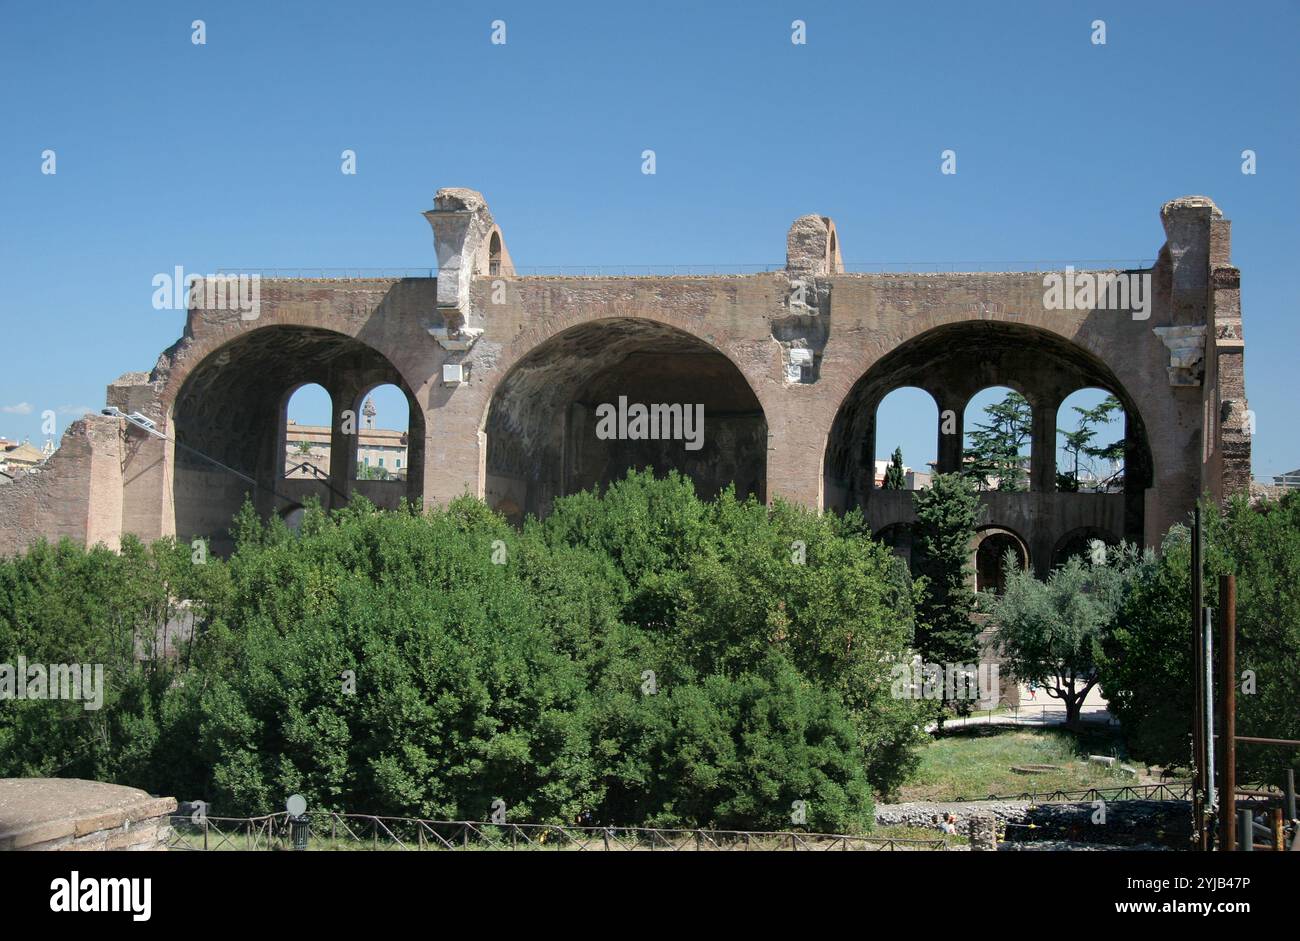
321 433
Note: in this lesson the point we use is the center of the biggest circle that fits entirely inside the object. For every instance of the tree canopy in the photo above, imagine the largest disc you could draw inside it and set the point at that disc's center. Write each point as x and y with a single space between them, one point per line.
1147 671
994 453
641 656
895 475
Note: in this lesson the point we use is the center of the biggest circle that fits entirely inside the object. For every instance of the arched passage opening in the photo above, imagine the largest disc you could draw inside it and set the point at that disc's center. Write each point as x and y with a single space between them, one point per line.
594 401
229 422
953 363
293 516
1083 542
899 538
991 547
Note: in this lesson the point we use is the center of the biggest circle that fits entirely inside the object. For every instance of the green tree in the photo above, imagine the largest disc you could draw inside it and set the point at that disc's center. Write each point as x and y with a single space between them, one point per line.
62 604
995 449
719 584
946 516
366 472
1147 673
895 476
1051 632
1078 444
641 655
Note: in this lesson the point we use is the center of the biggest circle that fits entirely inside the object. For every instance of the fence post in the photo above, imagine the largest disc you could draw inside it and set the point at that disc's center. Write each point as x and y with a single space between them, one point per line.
1228 793
1201 680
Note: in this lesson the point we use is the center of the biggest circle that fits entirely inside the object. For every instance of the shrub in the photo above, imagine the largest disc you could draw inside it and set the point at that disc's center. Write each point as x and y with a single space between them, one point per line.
1147 673
639 656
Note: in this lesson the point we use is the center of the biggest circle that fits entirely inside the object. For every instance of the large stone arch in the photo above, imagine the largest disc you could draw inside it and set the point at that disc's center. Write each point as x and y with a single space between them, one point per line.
227 425
539 426
955 361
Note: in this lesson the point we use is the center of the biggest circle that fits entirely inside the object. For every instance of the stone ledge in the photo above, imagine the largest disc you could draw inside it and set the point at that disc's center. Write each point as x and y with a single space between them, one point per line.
67 813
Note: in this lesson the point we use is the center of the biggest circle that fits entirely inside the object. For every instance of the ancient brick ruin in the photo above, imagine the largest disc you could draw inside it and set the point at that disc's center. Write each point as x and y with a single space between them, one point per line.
502 372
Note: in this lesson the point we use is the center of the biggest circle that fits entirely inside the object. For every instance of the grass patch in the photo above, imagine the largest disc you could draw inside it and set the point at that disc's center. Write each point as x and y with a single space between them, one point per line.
976 761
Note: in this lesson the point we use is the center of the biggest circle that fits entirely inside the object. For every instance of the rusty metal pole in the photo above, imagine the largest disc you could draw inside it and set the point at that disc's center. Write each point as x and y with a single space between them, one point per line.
1228 656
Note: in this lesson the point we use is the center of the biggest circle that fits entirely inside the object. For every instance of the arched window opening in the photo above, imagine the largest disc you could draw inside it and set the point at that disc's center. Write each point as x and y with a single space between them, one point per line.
998 423
906 423
494 254
306 423
1090 430
383 435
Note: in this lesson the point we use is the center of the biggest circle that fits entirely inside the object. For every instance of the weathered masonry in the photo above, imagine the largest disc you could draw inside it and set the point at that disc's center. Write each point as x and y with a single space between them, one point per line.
502 374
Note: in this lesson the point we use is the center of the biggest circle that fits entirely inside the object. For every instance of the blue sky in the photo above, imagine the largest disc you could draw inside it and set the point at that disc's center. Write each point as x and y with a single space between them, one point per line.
228 154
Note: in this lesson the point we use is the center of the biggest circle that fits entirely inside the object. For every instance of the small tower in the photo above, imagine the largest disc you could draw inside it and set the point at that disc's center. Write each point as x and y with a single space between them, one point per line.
370 411
812 247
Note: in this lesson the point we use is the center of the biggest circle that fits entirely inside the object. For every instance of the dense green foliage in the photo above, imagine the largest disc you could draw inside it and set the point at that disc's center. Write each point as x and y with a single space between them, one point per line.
895 475
641 656
1051 632
995 447
1147 672
946 516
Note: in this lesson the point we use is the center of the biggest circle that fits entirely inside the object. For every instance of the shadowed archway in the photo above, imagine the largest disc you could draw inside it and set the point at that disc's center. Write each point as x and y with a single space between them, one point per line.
952 363
544 432
229 426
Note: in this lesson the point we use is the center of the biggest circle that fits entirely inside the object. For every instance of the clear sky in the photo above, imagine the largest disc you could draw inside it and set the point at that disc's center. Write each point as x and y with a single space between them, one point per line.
228 154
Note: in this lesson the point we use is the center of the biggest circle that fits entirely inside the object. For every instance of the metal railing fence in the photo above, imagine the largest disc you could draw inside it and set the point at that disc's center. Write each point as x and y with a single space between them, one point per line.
313 272
1174 791
326 830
